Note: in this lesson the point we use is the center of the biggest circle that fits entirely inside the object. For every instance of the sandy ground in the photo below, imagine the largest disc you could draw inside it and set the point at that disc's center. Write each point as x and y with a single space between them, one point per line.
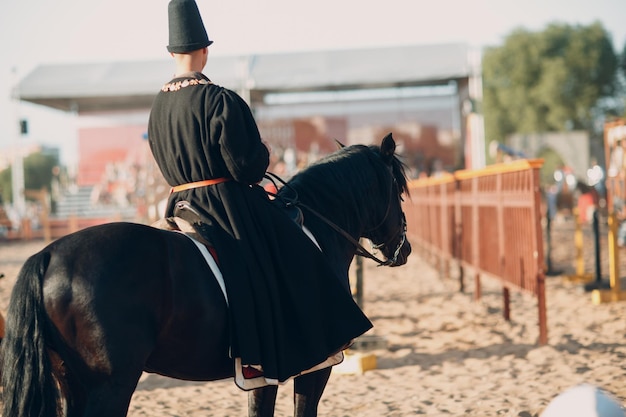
445 354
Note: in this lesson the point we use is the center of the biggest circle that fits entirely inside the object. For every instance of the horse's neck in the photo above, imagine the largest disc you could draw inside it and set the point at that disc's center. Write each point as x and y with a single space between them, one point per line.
339 249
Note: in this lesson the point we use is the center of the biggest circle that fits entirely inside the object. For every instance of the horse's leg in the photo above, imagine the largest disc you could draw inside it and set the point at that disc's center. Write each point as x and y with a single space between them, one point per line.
94 394
307 392
73 392
111 397
261 401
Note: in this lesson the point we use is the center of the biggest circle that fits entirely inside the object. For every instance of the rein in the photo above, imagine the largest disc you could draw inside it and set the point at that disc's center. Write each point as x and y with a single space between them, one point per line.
360 250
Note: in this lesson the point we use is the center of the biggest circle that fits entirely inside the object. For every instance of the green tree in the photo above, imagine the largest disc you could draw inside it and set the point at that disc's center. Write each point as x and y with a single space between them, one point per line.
37 174
547 81
622 61
5 185
621 76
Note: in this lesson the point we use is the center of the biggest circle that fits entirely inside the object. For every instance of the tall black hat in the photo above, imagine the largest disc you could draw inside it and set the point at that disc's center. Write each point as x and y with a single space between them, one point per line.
187 32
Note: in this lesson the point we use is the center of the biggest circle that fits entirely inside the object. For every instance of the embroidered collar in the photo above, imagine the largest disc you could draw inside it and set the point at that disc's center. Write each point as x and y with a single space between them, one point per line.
177 85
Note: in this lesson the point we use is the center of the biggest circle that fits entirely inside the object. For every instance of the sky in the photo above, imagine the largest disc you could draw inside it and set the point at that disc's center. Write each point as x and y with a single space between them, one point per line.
38 32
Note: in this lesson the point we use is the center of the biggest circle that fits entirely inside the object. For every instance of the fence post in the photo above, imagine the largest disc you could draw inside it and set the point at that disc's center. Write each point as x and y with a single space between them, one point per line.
26 229
549 243
541 307
596 241
614 293
359 281
72 224
597 284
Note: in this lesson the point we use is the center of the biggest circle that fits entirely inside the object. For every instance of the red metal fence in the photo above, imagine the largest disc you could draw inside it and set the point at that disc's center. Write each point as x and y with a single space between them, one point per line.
488 221
430 217
51 229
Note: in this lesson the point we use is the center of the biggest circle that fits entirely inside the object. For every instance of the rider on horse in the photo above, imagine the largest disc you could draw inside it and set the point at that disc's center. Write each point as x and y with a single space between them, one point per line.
290 310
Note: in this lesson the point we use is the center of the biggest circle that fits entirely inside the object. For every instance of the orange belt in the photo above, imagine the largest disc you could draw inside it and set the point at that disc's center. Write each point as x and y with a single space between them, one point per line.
197 184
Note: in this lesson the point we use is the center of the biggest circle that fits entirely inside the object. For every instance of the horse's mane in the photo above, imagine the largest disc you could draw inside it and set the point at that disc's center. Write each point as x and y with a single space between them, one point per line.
346 174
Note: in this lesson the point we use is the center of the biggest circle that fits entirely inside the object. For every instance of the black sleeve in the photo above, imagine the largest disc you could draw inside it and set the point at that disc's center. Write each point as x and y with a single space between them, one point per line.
246 157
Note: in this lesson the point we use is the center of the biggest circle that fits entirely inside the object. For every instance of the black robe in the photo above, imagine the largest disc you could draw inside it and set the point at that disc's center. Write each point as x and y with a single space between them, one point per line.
289 309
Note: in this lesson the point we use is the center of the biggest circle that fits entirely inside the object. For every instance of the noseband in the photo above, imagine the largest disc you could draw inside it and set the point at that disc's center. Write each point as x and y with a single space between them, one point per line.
396 252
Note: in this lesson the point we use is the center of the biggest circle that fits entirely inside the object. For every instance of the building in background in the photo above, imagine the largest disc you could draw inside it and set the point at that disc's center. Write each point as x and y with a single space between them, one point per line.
303 103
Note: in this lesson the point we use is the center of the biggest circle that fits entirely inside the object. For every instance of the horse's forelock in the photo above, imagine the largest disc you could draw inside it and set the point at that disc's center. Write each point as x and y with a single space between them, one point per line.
399 172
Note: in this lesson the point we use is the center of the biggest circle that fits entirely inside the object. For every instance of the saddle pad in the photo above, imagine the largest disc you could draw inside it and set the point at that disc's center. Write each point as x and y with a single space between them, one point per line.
212 264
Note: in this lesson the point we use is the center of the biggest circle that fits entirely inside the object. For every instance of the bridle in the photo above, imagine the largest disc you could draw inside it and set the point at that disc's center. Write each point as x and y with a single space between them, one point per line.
402 231
360 250
396 252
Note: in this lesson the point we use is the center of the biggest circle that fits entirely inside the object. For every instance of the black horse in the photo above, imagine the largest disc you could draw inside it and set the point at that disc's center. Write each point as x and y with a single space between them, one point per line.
93 310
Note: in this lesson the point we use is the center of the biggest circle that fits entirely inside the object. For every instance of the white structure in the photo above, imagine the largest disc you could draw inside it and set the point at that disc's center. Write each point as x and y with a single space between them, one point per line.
584 401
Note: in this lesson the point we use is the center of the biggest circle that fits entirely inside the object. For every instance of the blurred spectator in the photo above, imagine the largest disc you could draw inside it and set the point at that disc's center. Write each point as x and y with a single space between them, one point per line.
595 178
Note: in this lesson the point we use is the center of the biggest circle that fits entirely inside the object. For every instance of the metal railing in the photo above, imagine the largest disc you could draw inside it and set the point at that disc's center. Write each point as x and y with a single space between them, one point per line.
488 221
430 214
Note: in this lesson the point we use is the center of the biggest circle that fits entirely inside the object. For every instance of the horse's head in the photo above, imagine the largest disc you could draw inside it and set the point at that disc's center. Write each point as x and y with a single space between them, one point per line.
388 233
357 191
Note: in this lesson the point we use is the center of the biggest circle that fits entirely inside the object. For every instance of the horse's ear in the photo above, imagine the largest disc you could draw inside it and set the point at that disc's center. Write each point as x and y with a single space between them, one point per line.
339 144
388 148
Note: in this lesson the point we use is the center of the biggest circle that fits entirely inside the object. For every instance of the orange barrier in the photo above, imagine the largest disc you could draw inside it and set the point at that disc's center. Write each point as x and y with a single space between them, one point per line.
489 222
55 228
430 214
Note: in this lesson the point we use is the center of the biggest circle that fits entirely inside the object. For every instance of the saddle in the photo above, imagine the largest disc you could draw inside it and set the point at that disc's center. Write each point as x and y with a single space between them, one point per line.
187 220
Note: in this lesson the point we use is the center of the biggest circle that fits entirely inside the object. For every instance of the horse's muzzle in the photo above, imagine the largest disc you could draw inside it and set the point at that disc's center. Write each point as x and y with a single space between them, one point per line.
403 254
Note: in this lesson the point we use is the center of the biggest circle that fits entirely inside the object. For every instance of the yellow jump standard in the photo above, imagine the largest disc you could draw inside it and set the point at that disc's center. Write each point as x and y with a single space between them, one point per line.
600 296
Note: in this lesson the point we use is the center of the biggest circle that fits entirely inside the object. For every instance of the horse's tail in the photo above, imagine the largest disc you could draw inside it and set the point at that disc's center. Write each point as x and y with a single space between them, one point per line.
29 388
